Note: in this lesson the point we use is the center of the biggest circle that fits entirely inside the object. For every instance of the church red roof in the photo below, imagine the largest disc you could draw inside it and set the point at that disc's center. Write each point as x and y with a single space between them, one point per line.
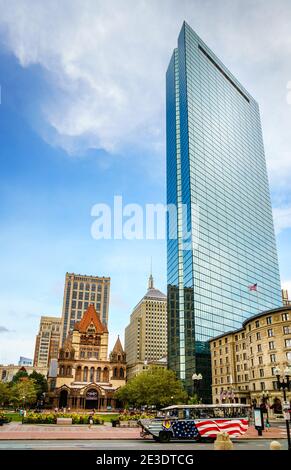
90 316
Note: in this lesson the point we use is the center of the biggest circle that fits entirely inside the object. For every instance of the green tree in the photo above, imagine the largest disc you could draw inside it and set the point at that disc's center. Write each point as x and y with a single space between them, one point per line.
5 393
193 400
24 392
40 382
157 386
19 375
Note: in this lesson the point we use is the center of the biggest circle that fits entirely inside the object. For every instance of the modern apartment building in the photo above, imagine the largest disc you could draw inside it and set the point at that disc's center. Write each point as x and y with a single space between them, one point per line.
81 291
244 361
47 341
224 241
146 334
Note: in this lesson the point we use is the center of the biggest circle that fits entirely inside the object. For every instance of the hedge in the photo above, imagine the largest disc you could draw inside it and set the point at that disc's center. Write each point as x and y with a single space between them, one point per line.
51 418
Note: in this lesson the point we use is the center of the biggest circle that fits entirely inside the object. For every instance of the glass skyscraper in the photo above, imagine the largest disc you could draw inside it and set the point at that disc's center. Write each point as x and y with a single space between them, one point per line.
217 178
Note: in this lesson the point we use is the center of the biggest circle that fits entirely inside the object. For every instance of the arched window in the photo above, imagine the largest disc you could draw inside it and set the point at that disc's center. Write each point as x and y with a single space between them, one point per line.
78 374
69 370
98 374
121 373
105 374
92 370
81 286
87 286
62 370
115 372
85 375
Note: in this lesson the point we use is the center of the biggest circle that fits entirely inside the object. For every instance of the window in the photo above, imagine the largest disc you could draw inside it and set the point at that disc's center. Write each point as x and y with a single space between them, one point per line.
257 324
250 338
285 316
287 343
269 320
286 330
262 385
235 337
270 332
260 359
214 344
273 357
258 335
288 355
262 373
271 345
254 386
273 371
225 340
260 347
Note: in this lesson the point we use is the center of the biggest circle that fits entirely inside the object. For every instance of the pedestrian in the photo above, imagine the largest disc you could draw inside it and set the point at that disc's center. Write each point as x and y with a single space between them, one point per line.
267 424
91 421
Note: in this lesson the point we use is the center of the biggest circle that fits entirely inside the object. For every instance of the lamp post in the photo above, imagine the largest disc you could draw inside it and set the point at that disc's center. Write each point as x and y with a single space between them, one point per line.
284 384
196 382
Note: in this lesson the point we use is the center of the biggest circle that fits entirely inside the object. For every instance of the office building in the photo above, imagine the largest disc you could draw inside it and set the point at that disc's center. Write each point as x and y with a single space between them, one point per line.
47 341
80 291
25 361
146 334
222 258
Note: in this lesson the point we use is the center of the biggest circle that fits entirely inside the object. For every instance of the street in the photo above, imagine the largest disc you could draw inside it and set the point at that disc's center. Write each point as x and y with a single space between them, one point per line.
134 444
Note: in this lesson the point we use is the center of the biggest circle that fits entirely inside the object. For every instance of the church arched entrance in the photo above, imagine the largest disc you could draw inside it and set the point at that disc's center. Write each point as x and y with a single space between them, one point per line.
63 399
91 399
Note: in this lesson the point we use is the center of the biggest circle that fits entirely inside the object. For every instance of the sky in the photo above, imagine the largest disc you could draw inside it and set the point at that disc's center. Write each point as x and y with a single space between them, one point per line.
82 119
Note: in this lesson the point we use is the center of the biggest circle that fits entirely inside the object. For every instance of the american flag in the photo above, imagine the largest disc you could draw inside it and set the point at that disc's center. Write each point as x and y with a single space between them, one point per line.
211 427
253 287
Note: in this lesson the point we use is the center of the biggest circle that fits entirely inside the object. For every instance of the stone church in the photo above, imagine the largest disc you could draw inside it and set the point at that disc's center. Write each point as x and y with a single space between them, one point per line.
87 378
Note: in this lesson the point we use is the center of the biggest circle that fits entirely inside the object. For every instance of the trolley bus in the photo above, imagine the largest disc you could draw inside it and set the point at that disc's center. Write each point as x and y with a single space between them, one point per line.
197 422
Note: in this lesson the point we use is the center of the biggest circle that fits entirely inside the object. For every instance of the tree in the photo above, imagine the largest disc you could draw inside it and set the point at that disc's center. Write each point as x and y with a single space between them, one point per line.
5 393
24 392
19 375
40 382
157 386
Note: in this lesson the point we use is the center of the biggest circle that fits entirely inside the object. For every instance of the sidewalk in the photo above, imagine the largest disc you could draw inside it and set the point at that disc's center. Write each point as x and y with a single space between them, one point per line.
15 431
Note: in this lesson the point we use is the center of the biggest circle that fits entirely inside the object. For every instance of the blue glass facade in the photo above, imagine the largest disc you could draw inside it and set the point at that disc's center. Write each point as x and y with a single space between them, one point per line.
216 168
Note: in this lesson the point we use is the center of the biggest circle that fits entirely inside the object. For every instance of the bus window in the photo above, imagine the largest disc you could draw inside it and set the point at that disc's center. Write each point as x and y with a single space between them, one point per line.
180 414
187 413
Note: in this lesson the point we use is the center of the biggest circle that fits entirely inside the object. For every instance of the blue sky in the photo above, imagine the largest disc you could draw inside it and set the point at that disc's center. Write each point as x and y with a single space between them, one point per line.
82 119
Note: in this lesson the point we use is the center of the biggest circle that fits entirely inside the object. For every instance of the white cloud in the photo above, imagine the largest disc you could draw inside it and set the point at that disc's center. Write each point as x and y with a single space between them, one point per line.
282 219
106 63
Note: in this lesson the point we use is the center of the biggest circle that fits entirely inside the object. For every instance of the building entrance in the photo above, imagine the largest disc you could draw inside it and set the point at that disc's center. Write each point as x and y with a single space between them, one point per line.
91 399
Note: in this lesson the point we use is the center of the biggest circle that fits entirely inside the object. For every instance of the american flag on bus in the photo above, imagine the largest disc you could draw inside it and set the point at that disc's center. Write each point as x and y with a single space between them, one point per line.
211 427
253 287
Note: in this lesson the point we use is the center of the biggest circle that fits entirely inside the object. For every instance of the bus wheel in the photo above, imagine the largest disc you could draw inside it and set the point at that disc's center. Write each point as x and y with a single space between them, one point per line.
164 437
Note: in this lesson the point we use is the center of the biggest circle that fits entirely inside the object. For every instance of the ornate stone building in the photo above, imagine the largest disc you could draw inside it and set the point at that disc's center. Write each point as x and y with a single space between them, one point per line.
244 360
86 377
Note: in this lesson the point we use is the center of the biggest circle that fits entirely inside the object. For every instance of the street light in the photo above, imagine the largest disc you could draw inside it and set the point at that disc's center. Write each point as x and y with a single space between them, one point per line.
284 384
196 382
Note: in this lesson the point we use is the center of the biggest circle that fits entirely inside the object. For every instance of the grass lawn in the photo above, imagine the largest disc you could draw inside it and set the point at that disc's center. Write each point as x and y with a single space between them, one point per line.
13 416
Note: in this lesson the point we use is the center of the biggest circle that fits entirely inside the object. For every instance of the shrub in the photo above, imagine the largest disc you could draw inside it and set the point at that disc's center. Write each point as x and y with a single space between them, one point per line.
4 419
51 418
